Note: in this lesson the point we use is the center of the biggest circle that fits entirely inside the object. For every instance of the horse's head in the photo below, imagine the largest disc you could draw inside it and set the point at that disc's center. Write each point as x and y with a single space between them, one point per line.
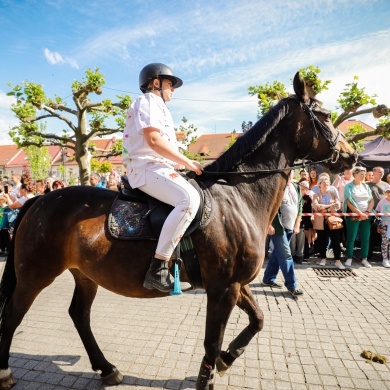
317 139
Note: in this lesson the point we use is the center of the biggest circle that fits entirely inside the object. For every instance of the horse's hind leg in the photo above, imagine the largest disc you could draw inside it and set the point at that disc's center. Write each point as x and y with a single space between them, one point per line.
80 312
247 303
12 315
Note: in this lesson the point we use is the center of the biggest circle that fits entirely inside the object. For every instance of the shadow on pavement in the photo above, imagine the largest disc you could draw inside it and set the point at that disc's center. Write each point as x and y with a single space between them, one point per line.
39 371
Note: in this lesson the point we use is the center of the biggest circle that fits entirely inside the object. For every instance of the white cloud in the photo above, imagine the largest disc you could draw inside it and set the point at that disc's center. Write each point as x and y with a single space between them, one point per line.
7 118
55 58
366 56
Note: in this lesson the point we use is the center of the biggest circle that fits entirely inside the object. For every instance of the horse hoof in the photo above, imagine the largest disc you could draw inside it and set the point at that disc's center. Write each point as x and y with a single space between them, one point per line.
221 366
223 362
7 382
206 377
112 379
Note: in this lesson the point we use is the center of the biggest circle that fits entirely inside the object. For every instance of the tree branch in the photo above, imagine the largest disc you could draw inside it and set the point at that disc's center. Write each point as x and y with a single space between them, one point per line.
344 116
56 115
107 155
101 131
51 137
359 136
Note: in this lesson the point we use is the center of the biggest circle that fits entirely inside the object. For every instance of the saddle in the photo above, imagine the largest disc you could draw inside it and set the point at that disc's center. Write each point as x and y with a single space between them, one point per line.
136 215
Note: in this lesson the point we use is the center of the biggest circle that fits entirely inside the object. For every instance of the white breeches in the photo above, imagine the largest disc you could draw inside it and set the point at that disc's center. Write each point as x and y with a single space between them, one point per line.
168 186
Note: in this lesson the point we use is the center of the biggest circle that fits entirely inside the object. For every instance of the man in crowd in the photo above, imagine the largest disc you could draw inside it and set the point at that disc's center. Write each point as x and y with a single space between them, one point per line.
286 223
378 193
95 180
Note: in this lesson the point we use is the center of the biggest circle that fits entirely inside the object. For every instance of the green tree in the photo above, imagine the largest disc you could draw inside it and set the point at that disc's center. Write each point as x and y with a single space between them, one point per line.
189 137
100 166
39 160
353 101
84 121
232 141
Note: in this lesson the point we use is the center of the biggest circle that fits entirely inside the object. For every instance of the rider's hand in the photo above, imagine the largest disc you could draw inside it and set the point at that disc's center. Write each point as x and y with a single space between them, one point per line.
194 166
180 167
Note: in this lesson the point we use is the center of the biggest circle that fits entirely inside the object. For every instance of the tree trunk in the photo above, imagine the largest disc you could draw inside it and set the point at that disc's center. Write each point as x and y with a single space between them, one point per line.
83 158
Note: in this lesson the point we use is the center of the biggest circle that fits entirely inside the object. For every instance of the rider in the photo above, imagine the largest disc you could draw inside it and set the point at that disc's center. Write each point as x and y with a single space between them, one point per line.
151 155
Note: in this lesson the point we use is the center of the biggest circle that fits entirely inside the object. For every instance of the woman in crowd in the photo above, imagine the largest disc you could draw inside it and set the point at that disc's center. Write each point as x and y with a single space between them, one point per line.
307 221
358 199
48 185
112 185
297 243
384 227
313 177
369 176
339 183
325 201
58 184
26 192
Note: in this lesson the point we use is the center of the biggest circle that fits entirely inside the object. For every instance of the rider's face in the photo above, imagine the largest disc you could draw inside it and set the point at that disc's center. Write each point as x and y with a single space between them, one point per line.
167 89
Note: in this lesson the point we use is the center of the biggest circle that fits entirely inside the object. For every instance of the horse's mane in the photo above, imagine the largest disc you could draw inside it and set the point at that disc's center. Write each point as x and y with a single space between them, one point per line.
250 140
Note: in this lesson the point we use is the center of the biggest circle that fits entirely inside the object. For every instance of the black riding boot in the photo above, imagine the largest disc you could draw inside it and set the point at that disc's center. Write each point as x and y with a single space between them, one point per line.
158 276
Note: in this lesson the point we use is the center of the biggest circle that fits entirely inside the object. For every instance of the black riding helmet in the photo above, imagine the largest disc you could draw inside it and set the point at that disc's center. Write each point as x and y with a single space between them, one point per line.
157 71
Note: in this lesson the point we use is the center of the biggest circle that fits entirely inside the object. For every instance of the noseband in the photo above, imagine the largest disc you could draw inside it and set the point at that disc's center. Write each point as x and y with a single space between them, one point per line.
316 126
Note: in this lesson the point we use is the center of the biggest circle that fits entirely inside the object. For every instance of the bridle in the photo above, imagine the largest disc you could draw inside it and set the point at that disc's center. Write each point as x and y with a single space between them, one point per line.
317 126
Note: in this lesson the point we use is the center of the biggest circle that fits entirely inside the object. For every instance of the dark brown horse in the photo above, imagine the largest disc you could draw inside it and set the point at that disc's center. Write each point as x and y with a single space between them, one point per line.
230 248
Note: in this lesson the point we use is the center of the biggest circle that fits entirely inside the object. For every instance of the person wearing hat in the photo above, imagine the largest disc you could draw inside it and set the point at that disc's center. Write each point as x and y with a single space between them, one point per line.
151 154
384 226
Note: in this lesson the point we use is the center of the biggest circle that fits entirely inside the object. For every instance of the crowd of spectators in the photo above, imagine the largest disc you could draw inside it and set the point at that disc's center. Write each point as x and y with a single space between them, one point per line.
17 189
355 191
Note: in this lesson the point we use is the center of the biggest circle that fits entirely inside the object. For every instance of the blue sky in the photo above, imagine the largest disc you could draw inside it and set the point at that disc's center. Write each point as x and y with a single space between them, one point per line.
218 47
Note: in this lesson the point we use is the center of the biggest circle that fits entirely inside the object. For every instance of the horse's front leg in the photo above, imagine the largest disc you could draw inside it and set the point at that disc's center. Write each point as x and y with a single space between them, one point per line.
80 312
246 302
219 307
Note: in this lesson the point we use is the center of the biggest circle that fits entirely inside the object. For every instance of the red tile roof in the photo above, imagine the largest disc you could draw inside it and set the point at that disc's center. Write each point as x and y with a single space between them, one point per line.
8 153
344 126
212 145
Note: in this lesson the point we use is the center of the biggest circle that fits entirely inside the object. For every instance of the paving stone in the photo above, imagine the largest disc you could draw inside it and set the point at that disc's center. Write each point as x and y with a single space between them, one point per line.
309 343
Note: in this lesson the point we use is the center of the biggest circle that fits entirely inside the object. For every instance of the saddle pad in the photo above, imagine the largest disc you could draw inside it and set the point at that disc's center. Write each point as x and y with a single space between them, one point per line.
134 220
127 221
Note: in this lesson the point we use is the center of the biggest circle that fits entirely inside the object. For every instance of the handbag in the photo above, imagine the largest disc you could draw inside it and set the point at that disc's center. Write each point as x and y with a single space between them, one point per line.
335 223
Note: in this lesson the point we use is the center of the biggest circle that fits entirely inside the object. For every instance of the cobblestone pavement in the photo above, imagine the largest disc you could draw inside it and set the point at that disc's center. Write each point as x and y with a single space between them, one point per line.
313 342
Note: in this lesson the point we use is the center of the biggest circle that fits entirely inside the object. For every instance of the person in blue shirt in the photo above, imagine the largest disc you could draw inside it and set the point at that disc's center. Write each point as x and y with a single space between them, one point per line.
95 180
286 223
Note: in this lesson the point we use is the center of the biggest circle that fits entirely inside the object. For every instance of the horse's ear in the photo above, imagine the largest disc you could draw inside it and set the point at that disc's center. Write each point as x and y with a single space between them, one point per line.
300 88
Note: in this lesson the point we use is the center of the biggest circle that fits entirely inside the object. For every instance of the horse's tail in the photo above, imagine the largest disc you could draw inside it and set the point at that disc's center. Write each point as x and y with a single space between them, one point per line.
8 280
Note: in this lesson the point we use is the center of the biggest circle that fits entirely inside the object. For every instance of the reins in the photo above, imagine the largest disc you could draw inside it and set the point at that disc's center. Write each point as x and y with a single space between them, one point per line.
265 171
314 123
